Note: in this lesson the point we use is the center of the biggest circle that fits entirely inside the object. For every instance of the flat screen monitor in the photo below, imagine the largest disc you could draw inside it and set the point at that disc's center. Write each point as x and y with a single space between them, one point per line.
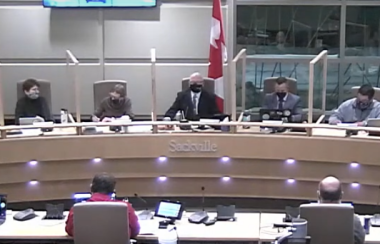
99 3
3 206
169 210
84 196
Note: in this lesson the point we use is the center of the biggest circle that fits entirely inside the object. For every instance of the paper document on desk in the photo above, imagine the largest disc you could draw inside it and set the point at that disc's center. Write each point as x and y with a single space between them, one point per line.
31 132
148 227
347 125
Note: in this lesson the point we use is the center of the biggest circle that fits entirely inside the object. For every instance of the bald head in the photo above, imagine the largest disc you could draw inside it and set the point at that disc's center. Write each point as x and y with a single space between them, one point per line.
196 82
330 190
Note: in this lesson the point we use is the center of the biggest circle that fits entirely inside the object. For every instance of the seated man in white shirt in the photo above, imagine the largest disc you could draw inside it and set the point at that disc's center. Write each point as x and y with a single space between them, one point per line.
195 102
358 109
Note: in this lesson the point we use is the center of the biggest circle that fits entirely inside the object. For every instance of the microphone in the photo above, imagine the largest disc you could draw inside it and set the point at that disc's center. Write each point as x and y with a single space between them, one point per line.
203 198
145 214
200 216
185 114
184 120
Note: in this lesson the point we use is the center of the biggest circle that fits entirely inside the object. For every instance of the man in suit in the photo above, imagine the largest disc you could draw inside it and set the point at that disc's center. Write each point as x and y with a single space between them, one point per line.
195 102
282 99
330 191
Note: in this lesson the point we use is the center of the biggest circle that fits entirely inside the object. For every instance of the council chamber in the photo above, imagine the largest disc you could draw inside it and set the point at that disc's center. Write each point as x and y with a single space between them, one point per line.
127 123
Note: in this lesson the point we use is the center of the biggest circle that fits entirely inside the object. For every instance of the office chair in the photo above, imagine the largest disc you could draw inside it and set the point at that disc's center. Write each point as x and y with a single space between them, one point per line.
100 223
355 90
45 91
102 89
329 223
208 85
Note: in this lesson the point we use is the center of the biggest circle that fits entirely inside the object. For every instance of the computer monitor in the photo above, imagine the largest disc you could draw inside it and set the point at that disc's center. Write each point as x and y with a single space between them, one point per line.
84 196
169 209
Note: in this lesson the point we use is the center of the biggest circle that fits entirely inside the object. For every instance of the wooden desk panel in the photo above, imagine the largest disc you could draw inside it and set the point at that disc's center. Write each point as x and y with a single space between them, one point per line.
257 165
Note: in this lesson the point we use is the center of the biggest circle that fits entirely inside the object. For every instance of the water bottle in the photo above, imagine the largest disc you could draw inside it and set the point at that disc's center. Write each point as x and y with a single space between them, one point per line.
178 116
168 236
64 116
246 118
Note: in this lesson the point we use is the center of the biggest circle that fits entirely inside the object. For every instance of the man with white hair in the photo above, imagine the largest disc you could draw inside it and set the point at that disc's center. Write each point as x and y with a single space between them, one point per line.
194 102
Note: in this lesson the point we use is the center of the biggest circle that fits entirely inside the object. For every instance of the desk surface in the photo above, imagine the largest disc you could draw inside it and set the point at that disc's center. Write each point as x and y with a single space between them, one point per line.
244 229
247 227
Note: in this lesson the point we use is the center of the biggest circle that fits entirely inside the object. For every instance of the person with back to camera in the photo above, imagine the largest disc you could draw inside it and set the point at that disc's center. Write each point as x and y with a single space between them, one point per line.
32 104
116 105
330 191
358 109
102 187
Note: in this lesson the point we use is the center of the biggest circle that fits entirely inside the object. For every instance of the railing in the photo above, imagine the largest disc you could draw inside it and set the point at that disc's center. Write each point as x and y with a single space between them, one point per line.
154 87
320 57
70 58
1 99
243 56
171 124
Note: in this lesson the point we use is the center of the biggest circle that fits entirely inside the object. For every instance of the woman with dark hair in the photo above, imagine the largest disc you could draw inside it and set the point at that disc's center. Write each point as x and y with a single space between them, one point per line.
32 104
117 104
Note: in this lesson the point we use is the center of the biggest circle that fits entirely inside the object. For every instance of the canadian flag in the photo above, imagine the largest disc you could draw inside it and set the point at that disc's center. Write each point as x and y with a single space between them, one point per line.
218 52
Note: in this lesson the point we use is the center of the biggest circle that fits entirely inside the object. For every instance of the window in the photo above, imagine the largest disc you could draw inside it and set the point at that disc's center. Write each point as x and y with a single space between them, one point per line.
288 29
362 31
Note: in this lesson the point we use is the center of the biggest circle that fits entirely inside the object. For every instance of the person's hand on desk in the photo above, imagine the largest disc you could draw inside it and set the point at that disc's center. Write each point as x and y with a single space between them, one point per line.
166 127
107 119
361 123
95 119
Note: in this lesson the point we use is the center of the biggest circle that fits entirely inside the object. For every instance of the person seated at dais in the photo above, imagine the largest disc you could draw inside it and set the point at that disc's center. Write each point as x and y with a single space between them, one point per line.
195 102
359 109
32 104
102 187
282 99
330 191
116 105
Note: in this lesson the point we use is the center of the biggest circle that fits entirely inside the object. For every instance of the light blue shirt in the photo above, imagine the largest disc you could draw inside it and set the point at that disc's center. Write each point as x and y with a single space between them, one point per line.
348 112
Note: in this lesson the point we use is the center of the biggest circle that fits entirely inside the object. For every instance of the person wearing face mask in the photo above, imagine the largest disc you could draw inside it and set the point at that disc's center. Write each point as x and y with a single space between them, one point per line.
282 99
117 104
195 102
32 104
359 109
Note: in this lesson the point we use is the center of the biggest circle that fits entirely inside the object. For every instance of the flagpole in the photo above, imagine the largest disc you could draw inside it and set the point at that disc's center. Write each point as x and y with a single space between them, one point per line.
230 35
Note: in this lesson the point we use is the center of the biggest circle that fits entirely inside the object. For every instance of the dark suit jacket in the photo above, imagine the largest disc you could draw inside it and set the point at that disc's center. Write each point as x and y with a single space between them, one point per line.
292 103
206 106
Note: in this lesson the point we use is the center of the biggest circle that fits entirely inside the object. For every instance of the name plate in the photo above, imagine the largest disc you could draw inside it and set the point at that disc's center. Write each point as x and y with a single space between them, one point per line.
205 146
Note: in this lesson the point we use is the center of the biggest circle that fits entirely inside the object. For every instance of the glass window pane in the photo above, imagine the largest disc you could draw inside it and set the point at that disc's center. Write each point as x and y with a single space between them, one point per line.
288 29
362 31
357 74
258 71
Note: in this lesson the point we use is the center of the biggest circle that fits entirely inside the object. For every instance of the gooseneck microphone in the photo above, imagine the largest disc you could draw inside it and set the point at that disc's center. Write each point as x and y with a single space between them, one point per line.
145 214
200 216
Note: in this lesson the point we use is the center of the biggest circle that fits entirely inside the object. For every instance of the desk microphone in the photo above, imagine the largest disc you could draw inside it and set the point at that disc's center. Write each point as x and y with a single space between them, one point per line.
200 216
145 214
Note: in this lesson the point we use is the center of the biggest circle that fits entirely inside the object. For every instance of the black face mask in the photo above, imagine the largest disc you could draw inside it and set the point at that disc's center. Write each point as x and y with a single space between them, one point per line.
115 100
281 95
196 88
363 105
